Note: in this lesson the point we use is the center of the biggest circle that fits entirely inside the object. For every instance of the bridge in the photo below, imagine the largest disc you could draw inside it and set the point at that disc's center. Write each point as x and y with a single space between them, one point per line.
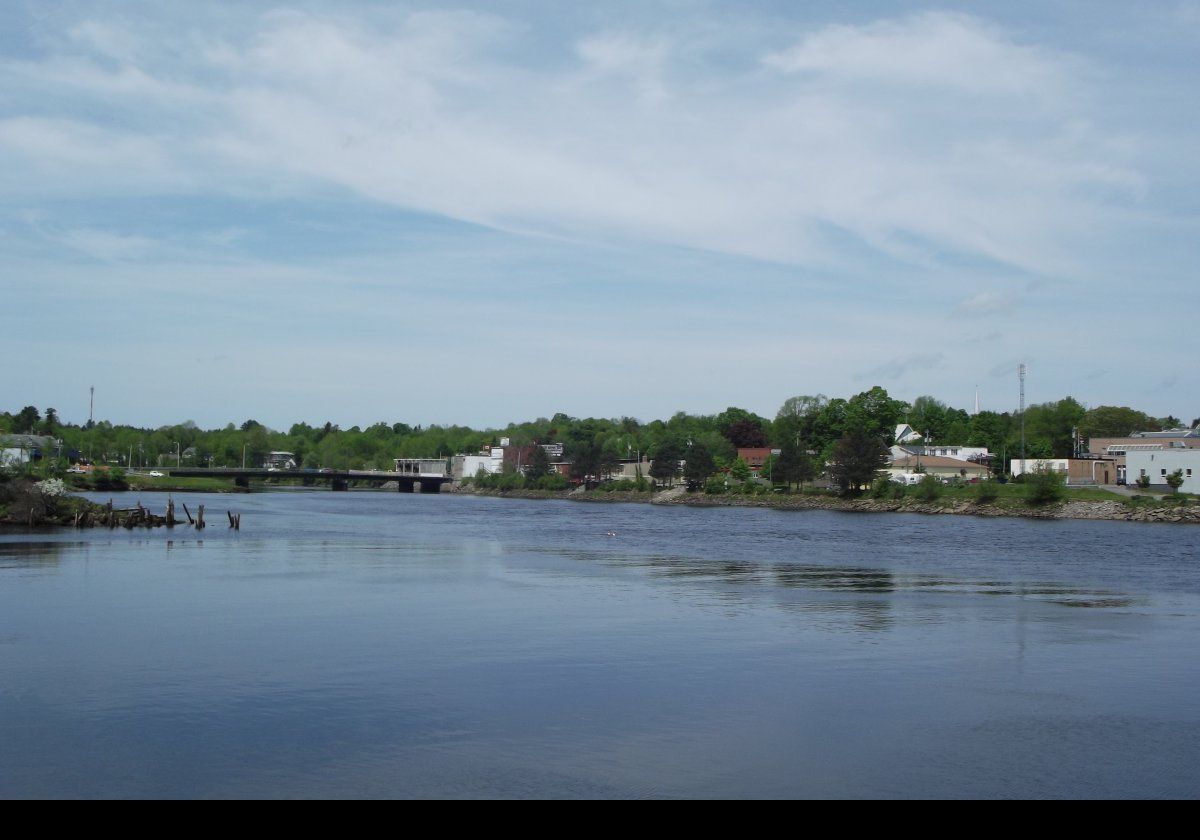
409 475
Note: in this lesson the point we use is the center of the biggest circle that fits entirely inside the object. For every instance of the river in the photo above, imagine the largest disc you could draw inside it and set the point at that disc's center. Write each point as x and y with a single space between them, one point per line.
372 644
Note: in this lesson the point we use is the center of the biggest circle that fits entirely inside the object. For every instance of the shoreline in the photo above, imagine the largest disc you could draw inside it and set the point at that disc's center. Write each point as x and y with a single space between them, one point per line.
1099 510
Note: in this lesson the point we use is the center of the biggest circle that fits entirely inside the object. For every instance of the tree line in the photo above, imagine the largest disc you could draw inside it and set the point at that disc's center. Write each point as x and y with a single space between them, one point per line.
810 431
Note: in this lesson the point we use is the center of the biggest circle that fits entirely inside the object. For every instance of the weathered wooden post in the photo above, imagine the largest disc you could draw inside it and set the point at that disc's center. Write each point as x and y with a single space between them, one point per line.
200 518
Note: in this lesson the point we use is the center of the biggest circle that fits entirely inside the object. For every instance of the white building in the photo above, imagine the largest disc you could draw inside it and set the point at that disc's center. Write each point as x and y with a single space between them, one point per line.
421 467
907 434
1058 465
16 450
469 466
1158 464
974 454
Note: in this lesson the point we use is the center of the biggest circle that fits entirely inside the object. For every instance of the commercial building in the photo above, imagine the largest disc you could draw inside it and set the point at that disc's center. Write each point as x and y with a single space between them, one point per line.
1157 464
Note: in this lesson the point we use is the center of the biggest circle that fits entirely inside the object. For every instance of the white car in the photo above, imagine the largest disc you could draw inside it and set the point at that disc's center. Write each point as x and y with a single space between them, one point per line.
154 474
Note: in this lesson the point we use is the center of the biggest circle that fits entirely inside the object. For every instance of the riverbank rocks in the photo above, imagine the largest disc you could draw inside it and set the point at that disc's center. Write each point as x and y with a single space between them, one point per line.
1109 510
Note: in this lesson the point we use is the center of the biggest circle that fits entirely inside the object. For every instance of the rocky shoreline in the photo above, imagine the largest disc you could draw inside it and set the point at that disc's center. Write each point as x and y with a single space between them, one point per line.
27 505
1099 510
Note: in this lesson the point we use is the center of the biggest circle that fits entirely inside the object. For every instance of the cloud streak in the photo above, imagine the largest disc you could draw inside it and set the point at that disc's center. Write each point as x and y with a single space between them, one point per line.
914 136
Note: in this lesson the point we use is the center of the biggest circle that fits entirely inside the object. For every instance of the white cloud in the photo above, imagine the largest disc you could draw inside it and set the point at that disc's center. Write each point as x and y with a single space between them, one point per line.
106 246
987 303
426 112
898 368
933 51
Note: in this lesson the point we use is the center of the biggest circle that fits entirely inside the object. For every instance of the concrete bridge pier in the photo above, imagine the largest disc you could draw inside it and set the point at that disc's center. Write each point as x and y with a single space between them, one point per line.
404 486
339 484
431 487
242 481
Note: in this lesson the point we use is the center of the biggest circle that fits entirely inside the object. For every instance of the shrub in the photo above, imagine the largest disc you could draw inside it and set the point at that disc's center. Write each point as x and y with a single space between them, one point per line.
510 481
714 486
553 481
1175 481
1044 486
986 491
110 479
929 489
897 492
1143 482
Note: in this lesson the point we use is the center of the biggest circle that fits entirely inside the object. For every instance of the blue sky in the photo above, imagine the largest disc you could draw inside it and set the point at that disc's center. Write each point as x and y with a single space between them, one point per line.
437 213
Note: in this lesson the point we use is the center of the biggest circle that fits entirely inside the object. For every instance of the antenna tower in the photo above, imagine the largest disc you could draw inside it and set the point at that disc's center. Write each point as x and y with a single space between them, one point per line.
1021 376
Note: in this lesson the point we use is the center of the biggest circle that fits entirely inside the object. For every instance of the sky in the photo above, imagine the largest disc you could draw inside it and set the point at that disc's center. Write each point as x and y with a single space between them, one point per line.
477 214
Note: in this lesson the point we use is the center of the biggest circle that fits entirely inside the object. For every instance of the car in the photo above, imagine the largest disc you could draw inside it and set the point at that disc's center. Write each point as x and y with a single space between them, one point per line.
154 474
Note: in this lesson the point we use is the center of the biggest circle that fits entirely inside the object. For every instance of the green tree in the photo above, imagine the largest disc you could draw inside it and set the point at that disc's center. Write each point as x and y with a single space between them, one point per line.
875 413
539 464
665 465
1049 427
1175 480
742 428
794 465
855 461
699 465
1115 421
26 420
740 471
930 418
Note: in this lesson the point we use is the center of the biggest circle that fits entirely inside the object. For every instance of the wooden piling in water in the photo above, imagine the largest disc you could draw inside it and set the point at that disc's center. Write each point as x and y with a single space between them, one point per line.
200 518
189 514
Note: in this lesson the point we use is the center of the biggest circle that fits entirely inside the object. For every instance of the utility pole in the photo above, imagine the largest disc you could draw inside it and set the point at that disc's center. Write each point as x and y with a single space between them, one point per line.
91 404
1021 376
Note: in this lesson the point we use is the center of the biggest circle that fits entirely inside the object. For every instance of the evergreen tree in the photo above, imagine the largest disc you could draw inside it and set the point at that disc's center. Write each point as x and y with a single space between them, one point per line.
539 464
699 466
665 465
855 461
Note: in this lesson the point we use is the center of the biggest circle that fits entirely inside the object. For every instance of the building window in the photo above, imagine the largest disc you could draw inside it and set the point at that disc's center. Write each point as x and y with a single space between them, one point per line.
1164 472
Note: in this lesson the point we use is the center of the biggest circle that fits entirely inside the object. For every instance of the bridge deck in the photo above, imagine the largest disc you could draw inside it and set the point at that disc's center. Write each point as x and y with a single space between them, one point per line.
332 475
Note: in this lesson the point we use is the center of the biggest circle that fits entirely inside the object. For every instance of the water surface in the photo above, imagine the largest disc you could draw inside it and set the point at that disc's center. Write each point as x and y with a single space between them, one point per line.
380 645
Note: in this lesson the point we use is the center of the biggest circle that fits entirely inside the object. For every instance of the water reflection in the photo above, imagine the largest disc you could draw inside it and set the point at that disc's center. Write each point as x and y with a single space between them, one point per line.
28 555
856 579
